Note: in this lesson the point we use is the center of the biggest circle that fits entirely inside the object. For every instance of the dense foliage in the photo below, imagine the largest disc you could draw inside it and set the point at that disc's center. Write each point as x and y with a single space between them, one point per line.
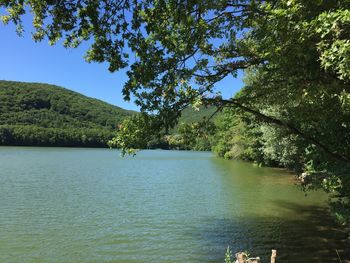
242 135
47 115
194 132
296 54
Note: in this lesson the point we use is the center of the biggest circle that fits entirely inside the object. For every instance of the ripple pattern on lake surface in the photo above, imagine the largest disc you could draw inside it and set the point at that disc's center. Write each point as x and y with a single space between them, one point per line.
91 205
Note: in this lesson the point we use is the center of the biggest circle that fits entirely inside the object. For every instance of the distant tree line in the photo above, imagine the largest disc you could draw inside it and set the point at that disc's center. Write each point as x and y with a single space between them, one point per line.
30 135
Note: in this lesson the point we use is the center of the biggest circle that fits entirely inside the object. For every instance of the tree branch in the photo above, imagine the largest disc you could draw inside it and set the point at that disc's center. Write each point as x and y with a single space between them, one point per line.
273 120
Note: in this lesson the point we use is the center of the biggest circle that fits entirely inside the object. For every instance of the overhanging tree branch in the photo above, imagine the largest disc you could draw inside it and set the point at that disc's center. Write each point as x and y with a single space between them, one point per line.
272 120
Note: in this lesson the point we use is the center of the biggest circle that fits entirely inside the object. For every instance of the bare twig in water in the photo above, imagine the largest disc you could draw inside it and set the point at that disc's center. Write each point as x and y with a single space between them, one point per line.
338 256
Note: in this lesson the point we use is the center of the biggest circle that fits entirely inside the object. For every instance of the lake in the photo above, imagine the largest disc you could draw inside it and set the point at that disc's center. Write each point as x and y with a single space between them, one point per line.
91 205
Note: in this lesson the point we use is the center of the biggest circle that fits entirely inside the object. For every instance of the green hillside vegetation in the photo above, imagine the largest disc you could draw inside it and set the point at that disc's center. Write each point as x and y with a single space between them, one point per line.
46 115
191 115
194 131
38 114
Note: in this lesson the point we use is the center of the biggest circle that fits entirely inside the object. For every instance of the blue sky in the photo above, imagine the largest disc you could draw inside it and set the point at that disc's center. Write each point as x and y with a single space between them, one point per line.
21 59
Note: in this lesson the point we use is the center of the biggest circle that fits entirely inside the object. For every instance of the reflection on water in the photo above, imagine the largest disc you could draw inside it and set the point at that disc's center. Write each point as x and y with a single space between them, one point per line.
274 214
308 236
90 205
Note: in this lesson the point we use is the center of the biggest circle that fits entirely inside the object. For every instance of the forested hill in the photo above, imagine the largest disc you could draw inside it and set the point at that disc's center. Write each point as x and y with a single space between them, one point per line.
192 115
46 115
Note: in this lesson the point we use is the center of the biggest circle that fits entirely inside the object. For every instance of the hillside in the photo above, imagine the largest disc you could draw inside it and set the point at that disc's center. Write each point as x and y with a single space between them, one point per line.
191 115
47 115
37 114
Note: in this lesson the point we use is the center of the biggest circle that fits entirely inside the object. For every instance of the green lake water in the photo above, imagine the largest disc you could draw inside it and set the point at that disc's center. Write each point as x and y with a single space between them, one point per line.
91 205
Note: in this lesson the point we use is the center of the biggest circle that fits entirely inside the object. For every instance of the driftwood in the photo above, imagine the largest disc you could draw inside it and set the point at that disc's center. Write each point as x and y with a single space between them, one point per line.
242 258
273 256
